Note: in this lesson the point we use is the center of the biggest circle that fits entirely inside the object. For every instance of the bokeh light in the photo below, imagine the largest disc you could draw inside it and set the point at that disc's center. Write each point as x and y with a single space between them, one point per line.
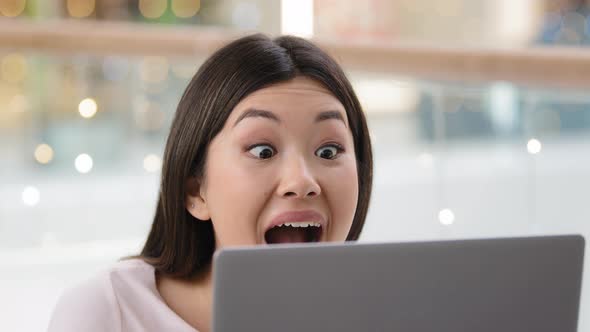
81 8
31 196
87 108
534 146
446 217
152 8
152 163
186 8
12 8
83 163
43 153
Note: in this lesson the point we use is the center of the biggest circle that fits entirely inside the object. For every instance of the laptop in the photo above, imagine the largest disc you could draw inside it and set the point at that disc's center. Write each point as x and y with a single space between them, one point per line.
483 285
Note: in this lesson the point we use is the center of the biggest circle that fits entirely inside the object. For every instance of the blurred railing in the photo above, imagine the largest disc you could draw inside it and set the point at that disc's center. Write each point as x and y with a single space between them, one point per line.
539 66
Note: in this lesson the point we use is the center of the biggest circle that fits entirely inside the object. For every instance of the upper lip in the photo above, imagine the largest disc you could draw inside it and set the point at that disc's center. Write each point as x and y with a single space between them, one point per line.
295 216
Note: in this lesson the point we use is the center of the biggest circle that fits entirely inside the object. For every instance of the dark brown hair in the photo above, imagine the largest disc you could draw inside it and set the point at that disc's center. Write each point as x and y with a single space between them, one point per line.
179 245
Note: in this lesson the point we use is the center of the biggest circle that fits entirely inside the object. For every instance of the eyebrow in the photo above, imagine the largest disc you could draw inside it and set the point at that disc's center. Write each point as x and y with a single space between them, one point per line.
258 113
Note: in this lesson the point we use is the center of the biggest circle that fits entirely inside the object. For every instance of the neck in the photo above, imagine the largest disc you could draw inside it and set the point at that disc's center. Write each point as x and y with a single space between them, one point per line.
191 300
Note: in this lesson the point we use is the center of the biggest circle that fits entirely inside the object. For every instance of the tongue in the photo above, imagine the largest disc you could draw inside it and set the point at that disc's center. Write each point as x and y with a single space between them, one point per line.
285 234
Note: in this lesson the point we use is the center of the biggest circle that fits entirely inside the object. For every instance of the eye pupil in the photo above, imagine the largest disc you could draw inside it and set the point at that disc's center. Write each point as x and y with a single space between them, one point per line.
265 153
326 154
262 151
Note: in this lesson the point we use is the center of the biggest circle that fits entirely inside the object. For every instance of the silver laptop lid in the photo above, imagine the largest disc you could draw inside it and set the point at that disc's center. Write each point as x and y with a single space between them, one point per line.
508 285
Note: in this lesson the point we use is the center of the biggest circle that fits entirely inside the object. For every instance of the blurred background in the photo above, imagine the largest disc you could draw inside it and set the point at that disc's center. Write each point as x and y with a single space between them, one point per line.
478 113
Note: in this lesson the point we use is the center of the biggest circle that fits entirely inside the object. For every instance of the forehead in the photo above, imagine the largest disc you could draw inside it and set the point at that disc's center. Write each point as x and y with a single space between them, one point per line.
298 86
302 94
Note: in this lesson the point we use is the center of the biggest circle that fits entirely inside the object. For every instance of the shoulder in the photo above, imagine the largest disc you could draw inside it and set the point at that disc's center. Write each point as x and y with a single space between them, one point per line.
93 305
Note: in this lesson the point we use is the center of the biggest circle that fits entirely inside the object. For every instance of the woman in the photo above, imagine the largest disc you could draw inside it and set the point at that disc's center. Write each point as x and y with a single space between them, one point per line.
268 145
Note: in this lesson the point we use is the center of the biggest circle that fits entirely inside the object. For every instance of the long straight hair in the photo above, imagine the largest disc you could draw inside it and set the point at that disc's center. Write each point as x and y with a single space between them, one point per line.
178 244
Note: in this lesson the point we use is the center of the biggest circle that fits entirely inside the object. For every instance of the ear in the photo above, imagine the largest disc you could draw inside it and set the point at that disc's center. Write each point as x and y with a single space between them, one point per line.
196 204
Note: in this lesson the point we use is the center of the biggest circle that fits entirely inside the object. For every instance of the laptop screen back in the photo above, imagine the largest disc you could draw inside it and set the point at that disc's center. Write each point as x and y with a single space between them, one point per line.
488 285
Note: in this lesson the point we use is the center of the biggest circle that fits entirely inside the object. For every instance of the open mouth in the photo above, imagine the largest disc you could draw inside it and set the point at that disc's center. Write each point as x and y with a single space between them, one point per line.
294 232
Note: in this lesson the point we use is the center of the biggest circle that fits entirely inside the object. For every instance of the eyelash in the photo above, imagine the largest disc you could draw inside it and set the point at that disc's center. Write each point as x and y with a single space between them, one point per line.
339 149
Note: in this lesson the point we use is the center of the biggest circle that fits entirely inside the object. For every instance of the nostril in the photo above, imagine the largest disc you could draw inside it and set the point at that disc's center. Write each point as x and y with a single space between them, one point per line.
310 194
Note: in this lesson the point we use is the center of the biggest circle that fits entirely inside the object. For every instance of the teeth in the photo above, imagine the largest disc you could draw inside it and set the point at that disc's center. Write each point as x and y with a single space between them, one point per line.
301 224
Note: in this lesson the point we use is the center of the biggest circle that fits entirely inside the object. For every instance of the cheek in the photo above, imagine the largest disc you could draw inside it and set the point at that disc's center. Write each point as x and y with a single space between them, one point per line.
343 193
235 200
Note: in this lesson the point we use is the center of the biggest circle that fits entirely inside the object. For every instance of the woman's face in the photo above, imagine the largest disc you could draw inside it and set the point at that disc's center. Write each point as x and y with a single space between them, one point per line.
282 169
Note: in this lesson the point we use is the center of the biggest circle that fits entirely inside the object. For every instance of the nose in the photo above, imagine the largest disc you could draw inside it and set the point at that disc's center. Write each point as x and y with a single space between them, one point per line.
298 180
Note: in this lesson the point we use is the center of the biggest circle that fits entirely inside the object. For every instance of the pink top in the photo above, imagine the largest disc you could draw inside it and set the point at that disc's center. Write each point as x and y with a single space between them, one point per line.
124 298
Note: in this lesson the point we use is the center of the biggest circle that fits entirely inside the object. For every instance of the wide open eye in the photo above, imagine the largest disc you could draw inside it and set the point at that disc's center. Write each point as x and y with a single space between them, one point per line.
329 151
262 151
